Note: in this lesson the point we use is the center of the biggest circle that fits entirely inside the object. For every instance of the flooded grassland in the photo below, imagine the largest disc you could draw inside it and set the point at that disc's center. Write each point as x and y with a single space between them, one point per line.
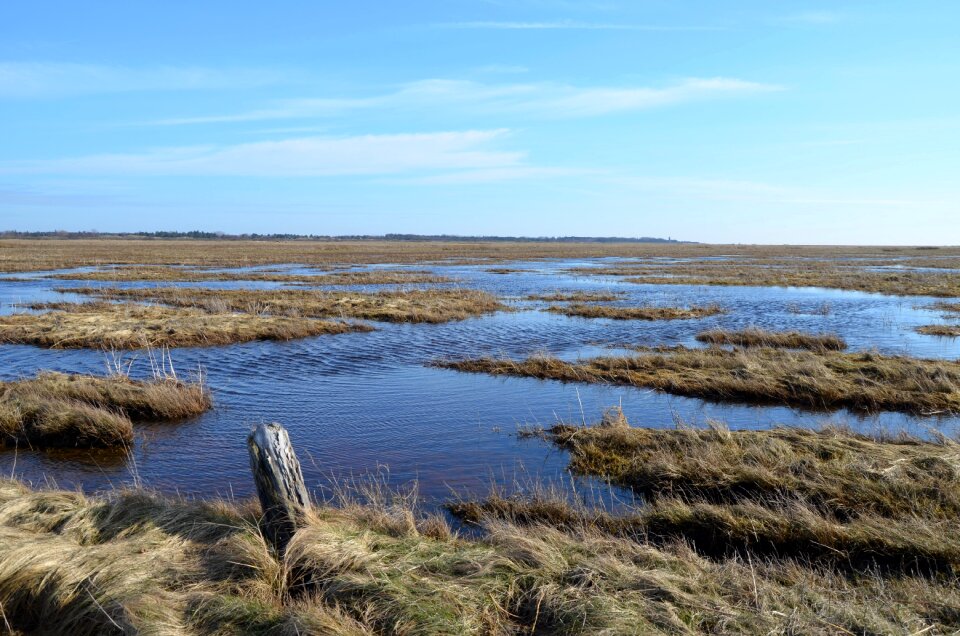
784 435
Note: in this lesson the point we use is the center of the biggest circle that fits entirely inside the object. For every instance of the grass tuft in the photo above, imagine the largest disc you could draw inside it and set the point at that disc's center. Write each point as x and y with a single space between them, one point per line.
755 337
56 409
577 297
943 331
637 313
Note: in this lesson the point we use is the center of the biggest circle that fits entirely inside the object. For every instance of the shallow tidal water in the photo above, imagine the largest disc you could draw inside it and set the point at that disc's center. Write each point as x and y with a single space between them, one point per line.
369 403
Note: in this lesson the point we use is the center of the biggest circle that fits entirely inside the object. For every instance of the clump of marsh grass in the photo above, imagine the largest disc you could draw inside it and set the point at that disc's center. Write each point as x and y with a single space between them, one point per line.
948 307
850 502
637 313
755 337
57 409
415 305
104 325
822 309
834 469
576 297
943 331
819 380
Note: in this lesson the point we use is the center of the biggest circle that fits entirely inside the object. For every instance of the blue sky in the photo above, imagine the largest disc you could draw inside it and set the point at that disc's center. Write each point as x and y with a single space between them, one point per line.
735 121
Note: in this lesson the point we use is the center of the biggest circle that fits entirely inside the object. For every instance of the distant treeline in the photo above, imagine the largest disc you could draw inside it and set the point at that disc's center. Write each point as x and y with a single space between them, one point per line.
221 236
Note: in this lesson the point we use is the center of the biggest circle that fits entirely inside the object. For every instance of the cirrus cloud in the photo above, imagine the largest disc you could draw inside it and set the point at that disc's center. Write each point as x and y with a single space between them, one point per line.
542 99
297 157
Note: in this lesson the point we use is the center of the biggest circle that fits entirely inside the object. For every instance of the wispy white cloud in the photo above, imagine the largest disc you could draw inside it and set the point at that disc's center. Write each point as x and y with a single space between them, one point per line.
555 25
812 17
543 99
756 192
497 175
44 79
503 69
300 157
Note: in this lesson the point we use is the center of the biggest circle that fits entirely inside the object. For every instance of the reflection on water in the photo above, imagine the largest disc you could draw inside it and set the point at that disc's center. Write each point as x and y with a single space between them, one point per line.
358 402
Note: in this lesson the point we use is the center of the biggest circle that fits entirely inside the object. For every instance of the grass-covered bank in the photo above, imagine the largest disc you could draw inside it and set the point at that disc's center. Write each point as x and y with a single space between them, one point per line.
823 379
60 410
135 562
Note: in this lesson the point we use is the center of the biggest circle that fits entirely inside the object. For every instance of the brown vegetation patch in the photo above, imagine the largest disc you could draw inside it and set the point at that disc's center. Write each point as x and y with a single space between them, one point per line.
866 382
45 254
154 273
782 272
55 409
835 470
832 497
944 331
577 297
102 325
948 307
425 305
636 313
754 337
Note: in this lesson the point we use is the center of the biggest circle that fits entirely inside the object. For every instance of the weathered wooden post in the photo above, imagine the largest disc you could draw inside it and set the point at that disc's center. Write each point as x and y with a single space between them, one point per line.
276 472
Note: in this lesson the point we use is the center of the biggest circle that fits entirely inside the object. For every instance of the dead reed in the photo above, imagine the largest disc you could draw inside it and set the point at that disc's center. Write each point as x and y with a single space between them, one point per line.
56 409
755 337
821 380
102 325
636 313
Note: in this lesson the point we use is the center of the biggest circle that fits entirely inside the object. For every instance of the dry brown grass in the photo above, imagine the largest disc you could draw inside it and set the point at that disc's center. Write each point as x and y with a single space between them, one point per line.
866 382
156 273
636 313
781 272
840 473
137 562
418 305
577 297
102 325
948 307
30 255
755 337
56 409
943 331
826 498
